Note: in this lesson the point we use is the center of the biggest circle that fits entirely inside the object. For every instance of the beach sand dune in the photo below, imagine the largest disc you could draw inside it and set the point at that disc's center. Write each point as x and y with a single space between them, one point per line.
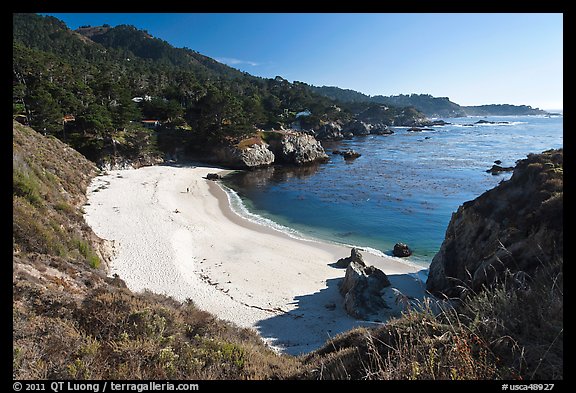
175 233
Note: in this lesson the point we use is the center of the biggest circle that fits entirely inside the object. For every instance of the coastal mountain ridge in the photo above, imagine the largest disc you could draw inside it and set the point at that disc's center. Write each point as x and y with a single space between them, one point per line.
429 105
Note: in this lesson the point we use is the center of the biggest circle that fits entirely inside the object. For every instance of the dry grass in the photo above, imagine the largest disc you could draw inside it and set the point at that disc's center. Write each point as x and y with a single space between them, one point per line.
504 332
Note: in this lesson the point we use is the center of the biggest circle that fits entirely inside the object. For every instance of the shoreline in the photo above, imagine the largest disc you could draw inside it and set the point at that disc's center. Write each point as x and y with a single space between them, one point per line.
193 245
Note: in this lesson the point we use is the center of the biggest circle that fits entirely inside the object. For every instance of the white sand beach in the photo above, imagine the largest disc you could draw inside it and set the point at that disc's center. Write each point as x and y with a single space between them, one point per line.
193 245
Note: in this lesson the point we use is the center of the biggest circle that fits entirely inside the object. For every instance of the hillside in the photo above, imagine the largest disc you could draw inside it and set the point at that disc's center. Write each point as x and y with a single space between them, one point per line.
71 321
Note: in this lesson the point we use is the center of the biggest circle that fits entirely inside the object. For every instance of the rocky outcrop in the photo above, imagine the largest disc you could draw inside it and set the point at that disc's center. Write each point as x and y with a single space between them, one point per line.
357 127
497 169
111 163
515 227
491 122
330 132
401 250
257 155
362 288
355 256
380 129
297 148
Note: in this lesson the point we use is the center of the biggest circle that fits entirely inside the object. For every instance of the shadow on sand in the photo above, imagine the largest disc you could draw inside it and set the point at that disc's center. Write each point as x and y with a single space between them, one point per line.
320 316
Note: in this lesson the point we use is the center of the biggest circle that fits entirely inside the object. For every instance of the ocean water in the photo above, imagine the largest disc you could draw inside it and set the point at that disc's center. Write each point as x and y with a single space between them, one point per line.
404 187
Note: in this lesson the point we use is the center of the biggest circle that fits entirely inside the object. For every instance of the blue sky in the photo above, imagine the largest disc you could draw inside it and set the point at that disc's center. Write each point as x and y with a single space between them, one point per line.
474 59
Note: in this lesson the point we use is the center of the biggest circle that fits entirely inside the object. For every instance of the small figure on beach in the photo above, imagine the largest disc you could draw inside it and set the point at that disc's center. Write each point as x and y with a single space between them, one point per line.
187 189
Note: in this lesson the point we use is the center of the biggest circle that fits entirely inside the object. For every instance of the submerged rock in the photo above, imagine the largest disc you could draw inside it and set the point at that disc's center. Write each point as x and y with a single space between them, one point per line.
491 122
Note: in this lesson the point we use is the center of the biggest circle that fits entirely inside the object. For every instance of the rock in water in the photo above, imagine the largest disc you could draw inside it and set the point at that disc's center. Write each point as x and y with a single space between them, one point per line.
350 154
380 129
401 250
514 227
355 256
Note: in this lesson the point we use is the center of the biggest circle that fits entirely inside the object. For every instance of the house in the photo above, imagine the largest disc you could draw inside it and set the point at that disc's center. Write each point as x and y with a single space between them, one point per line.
152 124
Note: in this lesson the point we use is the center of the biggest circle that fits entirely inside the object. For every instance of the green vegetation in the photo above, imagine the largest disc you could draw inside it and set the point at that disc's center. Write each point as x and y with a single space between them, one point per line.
49 180
106 80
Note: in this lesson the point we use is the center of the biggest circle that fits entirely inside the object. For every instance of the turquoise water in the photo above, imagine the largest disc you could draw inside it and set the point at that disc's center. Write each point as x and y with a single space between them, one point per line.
404 187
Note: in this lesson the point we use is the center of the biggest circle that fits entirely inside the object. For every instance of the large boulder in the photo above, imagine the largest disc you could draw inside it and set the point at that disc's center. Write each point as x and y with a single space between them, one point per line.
297 148
515 227
401 250
362 290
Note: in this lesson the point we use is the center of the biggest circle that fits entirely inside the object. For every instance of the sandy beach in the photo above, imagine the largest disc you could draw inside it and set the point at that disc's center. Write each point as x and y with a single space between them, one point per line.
192 245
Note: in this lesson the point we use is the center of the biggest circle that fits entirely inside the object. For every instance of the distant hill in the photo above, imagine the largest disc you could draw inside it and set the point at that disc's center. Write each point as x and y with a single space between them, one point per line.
427 104
430 106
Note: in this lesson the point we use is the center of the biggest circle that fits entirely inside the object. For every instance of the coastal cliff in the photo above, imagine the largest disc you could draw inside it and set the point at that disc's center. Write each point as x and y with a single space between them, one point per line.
517 227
